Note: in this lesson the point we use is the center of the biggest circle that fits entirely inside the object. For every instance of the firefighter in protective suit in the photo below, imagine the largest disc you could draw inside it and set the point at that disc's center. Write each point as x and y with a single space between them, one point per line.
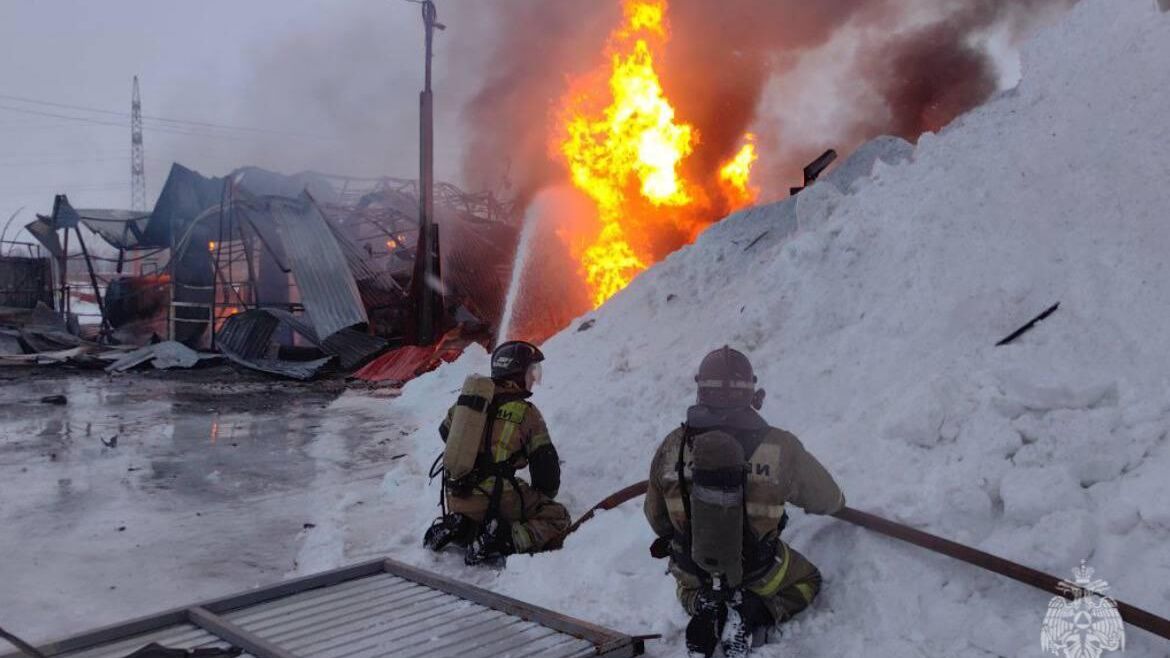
717 490
488 510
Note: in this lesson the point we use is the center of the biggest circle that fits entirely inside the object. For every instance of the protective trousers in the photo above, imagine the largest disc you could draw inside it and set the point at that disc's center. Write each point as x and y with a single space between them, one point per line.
536 519
788 586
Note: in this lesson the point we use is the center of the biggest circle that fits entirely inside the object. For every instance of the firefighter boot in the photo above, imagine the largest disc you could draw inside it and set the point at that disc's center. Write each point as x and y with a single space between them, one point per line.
452 528
736 638
703 630
493 544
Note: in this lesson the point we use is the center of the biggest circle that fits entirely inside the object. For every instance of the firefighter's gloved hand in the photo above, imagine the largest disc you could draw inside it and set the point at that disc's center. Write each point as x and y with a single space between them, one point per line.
660 548
754 612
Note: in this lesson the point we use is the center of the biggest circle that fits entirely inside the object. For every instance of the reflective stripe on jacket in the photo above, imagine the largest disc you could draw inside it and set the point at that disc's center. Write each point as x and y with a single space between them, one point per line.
779 471
519 438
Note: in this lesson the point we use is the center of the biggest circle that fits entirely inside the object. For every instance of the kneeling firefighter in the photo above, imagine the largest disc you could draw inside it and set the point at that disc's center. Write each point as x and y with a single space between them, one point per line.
716 497
492 432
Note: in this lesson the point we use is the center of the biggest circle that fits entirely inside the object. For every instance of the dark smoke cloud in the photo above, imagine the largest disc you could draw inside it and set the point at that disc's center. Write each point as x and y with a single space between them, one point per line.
914 66
928 75
536 47
923 80
721 56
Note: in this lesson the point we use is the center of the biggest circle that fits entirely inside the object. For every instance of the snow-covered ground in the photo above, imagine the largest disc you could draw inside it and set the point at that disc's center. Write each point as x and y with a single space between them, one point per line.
871 308
873 324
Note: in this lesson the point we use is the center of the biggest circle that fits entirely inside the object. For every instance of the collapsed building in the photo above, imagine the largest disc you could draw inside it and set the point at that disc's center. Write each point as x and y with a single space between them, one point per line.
283 274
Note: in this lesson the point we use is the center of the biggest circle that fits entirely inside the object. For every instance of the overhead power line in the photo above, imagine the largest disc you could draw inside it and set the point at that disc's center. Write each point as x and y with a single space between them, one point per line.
104 122
41 113
123 185
172 122
170 130
66 106
56 162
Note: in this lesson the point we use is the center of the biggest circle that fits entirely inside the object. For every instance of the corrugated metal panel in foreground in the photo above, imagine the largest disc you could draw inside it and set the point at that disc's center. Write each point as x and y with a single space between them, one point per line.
370 610
180 635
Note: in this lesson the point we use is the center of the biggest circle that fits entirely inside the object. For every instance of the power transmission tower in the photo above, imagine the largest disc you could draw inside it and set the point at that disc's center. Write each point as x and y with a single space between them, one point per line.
137 158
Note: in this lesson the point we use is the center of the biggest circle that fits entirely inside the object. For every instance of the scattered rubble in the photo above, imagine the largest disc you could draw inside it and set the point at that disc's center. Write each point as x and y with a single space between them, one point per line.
162 356
299 277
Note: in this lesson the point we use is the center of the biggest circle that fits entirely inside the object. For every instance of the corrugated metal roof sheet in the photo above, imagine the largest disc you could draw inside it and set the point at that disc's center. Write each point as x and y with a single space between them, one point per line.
164 355
122 229
352 347
46 233
299 370
406 363
246 337
375 609
185 195
400 365
326 286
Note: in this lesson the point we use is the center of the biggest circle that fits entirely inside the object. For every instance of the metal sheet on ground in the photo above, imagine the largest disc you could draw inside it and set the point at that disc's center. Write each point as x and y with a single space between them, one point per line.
374 609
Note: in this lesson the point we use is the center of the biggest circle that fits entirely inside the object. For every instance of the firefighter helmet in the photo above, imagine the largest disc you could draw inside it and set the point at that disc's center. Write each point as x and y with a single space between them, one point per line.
511 360
726 380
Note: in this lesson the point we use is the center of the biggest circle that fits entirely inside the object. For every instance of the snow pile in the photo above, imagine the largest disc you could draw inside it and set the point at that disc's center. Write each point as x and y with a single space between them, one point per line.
871 306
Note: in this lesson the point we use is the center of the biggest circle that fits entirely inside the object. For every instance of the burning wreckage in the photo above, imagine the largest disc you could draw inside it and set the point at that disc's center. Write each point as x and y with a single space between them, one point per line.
294 276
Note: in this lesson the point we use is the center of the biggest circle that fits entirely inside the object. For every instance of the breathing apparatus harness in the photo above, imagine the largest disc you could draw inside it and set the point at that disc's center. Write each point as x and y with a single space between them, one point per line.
485 466
758 554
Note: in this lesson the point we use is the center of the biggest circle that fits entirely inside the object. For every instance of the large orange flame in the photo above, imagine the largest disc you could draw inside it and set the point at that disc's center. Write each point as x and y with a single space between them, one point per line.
632 147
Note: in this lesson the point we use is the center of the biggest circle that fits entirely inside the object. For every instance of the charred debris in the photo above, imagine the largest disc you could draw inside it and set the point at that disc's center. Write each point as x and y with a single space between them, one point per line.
299 277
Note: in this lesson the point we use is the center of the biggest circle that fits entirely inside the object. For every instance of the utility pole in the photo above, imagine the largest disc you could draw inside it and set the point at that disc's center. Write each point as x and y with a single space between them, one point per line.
426 268
137 158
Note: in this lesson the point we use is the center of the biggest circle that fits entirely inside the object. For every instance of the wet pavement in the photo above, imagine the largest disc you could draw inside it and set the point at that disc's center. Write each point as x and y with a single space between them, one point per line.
153 487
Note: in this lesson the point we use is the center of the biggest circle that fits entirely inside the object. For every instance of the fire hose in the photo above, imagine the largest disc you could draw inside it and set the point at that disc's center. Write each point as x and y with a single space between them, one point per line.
1132 615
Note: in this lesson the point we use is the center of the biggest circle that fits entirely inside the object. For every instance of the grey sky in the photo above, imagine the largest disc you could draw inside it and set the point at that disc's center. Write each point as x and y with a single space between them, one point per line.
343 74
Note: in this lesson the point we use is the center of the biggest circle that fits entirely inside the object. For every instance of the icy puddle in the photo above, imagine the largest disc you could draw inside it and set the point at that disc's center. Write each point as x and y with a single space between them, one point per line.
143 492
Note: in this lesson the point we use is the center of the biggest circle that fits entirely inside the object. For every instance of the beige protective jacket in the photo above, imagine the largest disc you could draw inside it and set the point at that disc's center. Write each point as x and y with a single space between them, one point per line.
520 439
779 469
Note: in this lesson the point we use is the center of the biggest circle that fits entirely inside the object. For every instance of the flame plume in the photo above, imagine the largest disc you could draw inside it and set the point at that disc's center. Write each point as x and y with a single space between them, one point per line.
627 156
804 75
735 175
634 139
